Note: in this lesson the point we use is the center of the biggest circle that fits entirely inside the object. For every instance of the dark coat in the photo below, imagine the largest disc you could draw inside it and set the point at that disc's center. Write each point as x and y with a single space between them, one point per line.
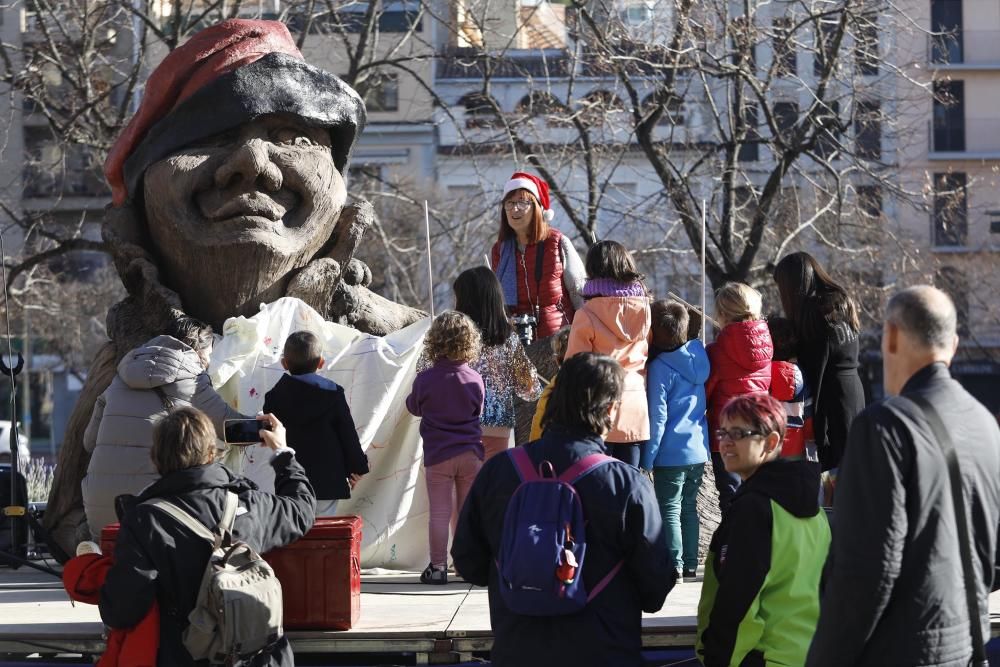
321 430
623 523
893 592
830 367
158 559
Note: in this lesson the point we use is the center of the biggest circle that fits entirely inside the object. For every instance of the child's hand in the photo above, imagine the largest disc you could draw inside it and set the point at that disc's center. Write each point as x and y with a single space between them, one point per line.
354 479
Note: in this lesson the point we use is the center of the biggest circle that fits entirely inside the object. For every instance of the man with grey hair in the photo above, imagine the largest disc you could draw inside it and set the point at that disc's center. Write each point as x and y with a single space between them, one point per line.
893 587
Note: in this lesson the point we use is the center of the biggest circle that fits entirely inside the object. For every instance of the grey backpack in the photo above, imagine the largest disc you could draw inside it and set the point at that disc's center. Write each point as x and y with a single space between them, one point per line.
238 613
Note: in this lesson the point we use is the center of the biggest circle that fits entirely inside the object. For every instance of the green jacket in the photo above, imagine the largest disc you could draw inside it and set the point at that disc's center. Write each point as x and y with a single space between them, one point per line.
760 598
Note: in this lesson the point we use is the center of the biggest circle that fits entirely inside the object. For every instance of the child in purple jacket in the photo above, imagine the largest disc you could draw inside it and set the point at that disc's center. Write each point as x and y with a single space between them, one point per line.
448 397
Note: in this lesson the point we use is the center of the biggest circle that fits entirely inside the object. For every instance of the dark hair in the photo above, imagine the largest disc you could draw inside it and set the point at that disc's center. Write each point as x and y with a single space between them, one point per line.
302 352
192 332
670 324
932 321
183 439
610 259
539 228
762 412
587 386
783 336
811 298
478 294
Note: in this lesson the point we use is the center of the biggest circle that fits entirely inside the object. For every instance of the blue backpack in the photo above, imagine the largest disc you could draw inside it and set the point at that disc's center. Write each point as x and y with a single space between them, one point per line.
543 544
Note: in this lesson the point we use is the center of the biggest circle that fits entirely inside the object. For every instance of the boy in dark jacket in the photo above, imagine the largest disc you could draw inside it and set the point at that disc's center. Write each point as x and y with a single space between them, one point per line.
760 598
623 528
320 427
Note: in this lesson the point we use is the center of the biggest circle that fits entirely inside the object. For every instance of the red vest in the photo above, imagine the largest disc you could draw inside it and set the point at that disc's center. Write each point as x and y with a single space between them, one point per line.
543 288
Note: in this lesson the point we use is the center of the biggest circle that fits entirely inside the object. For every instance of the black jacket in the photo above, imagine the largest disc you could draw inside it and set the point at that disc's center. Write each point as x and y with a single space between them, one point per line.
830 366
156 558
893 592
760 598
322 433
623 523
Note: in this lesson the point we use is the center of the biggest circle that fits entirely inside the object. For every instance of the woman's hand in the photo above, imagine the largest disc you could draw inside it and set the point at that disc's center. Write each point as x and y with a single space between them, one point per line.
272 432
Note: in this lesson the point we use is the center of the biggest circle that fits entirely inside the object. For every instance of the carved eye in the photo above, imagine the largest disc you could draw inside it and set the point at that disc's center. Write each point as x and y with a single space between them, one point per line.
290 136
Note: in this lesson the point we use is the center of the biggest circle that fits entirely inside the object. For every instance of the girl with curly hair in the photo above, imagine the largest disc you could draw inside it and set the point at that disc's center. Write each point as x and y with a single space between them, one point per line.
448 397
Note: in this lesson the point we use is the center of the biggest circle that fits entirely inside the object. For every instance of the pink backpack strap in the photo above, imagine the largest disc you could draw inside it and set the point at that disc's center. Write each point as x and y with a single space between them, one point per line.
522 463
583 467
605 581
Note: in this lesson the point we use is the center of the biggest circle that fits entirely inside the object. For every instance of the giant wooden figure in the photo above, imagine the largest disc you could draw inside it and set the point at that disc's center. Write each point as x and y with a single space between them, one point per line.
228 192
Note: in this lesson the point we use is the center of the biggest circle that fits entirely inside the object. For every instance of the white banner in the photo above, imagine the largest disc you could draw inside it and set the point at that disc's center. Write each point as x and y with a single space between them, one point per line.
376 374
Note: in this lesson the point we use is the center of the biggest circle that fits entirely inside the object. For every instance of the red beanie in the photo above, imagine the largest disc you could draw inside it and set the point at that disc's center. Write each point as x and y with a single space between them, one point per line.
521 180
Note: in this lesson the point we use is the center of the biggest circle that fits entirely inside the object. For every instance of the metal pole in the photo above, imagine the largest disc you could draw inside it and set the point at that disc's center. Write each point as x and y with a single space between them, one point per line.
26 380
430 270
704 296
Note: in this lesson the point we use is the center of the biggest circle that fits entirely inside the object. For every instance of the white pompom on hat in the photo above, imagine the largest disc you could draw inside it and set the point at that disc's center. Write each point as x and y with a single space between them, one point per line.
524 181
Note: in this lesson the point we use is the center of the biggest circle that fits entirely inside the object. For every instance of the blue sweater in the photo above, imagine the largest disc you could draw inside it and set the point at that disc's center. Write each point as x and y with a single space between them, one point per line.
675 388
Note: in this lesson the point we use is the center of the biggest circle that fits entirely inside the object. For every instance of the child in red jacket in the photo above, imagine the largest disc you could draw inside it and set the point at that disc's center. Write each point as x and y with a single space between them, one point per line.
741 364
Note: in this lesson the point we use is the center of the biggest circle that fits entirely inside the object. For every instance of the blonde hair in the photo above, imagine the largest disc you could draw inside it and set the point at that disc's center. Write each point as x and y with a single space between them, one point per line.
453 335
736 302
560 341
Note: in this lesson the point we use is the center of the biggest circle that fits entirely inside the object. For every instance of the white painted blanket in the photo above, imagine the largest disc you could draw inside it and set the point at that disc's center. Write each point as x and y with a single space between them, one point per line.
376 373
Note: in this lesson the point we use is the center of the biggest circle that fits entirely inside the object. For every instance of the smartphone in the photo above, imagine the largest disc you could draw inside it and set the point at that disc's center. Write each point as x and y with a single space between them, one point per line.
244 431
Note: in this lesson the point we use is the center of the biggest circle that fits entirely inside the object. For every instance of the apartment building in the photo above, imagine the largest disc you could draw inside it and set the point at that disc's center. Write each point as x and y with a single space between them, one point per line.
954 158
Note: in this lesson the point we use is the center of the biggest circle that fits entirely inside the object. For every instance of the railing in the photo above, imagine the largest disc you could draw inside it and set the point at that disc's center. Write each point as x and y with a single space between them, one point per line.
965 47
973 135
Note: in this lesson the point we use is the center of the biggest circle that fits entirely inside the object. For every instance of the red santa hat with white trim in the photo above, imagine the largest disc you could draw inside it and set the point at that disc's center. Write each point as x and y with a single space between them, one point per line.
524 181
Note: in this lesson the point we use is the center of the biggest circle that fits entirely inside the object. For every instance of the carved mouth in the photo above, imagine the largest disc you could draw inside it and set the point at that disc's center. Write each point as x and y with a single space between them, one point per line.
253 205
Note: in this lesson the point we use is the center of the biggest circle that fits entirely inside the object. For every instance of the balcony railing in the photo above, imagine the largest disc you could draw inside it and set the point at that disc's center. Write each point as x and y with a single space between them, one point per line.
977 48
974 136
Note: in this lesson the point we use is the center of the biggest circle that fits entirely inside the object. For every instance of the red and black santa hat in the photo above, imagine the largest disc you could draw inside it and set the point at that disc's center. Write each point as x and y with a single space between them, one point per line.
225 76
521 180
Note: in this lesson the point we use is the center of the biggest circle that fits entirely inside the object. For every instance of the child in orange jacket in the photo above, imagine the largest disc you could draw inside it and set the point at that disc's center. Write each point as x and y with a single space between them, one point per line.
615 320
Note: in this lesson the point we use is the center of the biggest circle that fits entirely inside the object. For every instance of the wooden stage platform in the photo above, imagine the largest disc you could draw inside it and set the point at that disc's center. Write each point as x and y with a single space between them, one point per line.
398 615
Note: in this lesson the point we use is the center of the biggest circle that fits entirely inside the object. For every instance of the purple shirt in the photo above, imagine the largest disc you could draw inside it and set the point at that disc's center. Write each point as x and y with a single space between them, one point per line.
448 397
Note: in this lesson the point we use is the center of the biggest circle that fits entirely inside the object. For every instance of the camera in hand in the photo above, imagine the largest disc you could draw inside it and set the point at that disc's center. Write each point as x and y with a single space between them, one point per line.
244 432
525 325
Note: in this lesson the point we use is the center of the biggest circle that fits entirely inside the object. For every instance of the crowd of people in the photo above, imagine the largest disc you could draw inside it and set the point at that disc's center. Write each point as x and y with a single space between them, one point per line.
620 438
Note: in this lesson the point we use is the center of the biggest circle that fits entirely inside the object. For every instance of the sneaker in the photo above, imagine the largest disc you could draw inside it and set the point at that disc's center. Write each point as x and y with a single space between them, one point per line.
434 576
690 576
680 575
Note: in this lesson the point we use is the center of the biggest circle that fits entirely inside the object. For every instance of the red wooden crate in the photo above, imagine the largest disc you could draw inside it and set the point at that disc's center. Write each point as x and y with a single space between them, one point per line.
320 574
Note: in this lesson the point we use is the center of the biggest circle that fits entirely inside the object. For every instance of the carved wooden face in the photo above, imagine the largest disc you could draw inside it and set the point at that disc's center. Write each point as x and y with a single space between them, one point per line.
234 216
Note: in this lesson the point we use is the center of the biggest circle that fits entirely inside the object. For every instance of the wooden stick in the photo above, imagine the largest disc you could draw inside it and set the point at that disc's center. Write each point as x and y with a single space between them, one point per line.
430 270
695 309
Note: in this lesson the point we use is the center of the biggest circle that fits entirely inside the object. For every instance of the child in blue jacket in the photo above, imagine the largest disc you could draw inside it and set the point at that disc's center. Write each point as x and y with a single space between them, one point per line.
677 448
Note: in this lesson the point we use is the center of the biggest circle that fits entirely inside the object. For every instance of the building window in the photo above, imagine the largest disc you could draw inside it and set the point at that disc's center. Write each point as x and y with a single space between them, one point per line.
946 26
384 94
868 130
823 49
954 283
828 131
866 45
994 217
480 110
786 116
749 143
870 201
951 223
741 30
782 47
949 116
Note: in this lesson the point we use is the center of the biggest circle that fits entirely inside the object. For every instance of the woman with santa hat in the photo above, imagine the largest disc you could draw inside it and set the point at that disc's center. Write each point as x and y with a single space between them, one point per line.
538 267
